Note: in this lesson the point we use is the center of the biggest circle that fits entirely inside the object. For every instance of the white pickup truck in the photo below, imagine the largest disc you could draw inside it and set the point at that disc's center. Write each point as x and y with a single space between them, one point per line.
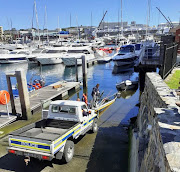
53 137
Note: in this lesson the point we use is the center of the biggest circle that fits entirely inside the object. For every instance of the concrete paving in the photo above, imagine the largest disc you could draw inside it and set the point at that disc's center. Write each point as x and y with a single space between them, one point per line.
5 120
104 151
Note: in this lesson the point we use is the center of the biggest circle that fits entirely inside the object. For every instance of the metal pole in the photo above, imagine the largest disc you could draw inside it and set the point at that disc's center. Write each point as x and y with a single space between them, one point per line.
11 94
164 61
76 68
121 20
84 70
7 106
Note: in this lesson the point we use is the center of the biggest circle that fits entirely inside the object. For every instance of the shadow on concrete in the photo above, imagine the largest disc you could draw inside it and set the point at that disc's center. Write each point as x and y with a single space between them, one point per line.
110 151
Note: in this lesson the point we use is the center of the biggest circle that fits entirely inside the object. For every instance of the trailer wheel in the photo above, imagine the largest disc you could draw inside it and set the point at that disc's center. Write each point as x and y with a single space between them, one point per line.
95 126
68 151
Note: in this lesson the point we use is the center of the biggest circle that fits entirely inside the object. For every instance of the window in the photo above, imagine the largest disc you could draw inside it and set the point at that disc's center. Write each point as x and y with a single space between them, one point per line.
63 109
84 107
55 109
67 109
86 52
56 51
75 51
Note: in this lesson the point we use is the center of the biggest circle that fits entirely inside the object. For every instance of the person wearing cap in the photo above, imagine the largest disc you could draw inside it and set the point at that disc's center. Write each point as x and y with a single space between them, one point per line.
95 95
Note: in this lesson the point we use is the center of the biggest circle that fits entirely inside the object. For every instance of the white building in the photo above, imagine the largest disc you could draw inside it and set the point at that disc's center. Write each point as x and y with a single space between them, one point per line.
1 33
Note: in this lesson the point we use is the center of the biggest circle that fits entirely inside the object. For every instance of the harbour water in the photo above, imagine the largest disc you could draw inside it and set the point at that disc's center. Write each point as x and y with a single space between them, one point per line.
113 120
100 73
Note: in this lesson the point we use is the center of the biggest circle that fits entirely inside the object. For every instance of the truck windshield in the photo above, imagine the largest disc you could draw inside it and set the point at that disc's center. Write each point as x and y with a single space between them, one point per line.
64 109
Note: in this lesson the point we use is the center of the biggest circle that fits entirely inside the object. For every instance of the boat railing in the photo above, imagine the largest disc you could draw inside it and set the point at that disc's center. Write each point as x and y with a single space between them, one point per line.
149 54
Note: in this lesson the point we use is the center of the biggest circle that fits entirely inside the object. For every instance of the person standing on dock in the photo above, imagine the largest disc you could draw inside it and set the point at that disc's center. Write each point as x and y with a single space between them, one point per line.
84 98
95 95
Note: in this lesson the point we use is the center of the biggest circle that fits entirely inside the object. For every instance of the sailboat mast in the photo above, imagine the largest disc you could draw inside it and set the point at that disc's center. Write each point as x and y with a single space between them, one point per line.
32 22
46 24
118 24
148 16
78 34
58 28
37 20
70 19
121 20
91 21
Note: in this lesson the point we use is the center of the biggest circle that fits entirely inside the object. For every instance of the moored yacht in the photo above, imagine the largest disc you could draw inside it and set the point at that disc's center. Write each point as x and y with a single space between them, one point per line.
12 58
69 59
125 56
52 56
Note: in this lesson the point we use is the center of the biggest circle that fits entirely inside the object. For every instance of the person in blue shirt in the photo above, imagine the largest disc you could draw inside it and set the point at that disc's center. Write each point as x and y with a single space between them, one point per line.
95 95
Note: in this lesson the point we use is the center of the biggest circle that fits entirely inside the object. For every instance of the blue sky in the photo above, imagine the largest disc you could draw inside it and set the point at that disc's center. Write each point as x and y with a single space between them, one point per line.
21 11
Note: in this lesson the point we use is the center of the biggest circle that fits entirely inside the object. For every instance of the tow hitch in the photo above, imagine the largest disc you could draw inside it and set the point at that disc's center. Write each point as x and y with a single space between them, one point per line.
27 160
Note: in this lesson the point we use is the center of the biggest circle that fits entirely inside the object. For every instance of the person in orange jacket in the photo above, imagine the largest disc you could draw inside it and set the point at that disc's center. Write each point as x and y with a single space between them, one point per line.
84 98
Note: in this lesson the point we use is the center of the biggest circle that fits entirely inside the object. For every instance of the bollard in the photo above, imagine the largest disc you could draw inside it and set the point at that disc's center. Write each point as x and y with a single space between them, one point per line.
84 71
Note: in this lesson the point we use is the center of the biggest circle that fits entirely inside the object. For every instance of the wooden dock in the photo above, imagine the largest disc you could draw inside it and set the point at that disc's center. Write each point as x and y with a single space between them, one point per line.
5 120
45 95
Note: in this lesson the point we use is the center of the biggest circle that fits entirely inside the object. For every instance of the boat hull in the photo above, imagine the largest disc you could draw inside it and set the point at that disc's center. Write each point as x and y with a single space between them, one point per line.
122 62
124 86
71 62
49 61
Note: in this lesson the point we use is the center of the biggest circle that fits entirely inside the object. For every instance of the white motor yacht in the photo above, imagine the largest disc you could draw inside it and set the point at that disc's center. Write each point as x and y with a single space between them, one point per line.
138 49
12 58
150 50
32 58
69 59
52 56
125 56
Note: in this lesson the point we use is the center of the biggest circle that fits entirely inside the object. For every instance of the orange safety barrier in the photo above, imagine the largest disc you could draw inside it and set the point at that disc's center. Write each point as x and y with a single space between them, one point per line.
3 95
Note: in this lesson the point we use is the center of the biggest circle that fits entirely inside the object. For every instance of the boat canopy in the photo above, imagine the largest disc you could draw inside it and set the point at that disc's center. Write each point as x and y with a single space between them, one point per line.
126 49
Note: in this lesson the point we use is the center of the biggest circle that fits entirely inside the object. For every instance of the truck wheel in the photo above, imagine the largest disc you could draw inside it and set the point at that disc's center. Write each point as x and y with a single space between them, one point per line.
68 151
95 126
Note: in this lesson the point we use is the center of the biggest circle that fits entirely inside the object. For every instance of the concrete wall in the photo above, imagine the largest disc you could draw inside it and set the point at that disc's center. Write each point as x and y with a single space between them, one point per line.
155 140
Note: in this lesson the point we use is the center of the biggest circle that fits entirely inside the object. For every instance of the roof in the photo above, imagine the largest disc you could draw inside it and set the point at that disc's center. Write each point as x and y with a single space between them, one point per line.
173 30
68 102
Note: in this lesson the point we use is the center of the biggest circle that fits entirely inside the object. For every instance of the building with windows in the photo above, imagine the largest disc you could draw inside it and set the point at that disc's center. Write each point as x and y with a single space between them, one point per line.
1 33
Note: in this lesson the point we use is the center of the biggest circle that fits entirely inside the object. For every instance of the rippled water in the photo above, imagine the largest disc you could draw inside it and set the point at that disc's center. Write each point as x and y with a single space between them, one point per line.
100 73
